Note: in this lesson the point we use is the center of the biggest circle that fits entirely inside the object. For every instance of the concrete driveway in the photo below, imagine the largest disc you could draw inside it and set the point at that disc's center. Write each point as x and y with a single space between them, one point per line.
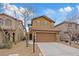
57 49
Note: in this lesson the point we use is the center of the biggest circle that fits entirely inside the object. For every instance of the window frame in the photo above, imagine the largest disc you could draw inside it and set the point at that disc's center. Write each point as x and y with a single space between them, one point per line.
1 21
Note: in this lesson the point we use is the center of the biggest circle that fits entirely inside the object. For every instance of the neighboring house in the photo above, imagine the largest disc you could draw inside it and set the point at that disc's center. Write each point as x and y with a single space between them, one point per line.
12 26
42 28
66 26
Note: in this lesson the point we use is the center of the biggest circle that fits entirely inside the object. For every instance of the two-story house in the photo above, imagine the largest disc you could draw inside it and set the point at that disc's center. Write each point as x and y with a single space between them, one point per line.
11 26
42 28
65 27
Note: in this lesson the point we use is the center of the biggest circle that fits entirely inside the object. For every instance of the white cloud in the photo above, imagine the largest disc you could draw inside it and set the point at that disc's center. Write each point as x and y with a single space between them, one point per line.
49 11
11 9
66 9
14 7
22 9
61 10
59 15
7 6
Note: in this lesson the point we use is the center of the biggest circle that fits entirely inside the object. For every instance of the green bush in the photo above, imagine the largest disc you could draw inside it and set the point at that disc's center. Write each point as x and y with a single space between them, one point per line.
6 45
1 45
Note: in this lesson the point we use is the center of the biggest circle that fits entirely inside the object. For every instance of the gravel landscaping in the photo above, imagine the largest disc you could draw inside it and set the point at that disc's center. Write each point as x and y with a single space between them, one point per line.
20 49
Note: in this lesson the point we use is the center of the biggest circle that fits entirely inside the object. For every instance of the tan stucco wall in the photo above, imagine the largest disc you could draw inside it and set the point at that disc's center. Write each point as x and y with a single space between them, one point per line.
63 26
40 21
15 27
1 37
49 29
13 22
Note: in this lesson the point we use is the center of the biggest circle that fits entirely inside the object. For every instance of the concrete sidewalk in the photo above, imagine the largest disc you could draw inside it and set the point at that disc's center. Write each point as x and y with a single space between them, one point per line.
57 49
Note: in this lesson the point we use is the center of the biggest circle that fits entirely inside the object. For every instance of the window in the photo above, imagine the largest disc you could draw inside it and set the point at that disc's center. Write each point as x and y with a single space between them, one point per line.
8 22
45 23
39 23
36 23
1 21
52 25
20 25
69 25
75 26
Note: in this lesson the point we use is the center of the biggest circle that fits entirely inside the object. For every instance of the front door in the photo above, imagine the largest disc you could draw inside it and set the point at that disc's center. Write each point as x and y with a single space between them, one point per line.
30 37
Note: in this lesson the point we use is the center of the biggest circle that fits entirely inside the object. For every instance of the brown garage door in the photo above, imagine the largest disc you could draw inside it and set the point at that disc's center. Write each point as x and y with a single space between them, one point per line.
46 37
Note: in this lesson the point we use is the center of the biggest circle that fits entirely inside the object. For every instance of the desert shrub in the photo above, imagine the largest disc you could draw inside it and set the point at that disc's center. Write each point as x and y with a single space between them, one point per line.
6 45
1 45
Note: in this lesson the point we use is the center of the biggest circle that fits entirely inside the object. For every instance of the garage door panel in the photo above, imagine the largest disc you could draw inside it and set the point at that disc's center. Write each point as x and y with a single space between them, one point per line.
46 37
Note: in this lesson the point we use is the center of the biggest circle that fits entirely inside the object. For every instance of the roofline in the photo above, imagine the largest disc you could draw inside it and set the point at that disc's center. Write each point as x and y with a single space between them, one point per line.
11 17
65 22
44 29
44 17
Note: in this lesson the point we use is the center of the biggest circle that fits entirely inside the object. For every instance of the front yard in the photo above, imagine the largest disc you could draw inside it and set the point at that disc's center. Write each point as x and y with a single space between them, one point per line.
42 48
20 49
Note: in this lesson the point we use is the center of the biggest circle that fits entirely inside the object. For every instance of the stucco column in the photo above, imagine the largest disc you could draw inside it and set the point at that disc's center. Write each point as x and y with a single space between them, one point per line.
11 37
57 37
33 38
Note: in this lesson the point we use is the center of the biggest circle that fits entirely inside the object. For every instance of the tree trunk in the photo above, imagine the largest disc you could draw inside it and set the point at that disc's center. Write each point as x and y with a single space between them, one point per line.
70 42
26 37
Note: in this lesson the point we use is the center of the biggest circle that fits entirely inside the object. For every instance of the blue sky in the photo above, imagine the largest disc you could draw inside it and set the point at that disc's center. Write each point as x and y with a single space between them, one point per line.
56 11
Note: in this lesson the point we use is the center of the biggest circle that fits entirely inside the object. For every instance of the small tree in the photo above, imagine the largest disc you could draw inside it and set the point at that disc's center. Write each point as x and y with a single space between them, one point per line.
70 34
26 14
72 31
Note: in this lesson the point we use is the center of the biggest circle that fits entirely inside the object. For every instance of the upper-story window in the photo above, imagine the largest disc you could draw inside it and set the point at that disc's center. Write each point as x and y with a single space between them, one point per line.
69 25
45 23
36 23
8 22
52 25
20 25
1 21
76 26
39 23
